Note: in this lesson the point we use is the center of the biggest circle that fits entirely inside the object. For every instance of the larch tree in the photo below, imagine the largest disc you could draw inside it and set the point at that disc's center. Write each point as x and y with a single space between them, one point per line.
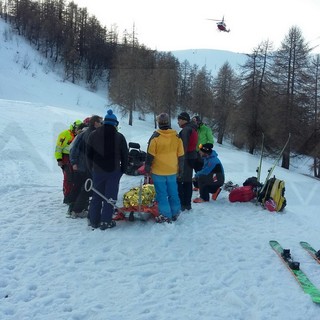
254 79
225 95
291 80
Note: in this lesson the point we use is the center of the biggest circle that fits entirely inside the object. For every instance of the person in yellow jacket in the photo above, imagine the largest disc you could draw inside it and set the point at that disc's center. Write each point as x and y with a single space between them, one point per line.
61 154
164 160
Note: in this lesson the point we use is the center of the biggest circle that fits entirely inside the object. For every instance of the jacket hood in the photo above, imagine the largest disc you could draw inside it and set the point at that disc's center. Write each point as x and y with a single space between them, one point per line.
213 154
168 133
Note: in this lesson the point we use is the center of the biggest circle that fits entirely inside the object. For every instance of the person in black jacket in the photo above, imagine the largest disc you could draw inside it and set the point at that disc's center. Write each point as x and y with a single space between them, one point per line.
189 137
107 155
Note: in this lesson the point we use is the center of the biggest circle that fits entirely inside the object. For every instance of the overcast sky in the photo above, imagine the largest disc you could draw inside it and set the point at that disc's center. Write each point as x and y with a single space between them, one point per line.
182 24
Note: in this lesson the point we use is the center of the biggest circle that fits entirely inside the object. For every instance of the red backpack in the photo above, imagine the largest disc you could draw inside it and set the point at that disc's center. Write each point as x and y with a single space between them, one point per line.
242 194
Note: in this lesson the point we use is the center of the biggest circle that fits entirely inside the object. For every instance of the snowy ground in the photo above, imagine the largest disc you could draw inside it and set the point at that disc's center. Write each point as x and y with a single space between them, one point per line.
215 262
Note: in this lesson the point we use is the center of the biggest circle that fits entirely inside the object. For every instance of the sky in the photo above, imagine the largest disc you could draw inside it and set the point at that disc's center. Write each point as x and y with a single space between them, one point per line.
213 263
179 25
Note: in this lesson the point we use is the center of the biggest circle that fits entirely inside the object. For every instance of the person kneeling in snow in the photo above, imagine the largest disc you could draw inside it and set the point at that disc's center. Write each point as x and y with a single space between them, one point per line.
211 177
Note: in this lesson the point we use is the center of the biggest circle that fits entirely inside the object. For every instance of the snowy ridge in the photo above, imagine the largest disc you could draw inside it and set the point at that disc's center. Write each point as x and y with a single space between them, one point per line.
213 60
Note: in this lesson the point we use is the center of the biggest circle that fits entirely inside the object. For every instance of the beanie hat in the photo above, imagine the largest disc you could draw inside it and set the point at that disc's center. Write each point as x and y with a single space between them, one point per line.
206 148
110 118
184 116
163 120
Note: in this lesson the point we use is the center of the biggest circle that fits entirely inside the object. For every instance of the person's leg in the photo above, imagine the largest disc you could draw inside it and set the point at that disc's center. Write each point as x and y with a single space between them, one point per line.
187 188
198 164
173 195
204 192
110 191
96 201
75 191
187 182
82 200
181 195
67 181
160 185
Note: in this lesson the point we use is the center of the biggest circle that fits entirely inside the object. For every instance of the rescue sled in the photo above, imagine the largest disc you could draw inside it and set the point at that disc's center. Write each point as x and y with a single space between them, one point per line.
143 213
138 203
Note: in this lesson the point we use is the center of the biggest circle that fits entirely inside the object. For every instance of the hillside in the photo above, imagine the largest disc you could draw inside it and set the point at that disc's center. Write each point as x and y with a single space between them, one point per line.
213 263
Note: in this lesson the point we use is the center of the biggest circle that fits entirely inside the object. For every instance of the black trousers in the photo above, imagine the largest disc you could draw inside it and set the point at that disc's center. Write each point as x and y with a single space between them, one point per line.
198 165
79 196
185 193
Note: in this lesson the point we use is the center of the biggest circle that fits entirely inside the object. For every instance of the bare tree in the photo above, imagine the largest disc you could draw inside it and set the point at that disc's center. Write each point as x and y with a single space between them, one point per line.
202 95
225 91
126 76
187 75
312 145
290 79
253 92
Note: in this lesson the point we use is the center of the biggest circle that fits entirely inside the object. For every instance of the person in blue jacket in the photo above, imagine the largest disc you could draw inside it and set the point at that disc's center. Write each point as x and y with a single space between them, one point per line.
211 177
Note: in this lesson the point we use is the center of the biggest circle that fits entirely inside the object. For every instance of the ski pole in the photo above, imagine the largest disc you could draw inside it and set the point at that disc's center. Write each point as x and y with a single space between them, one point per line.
260 161
272 168
140 195
278 159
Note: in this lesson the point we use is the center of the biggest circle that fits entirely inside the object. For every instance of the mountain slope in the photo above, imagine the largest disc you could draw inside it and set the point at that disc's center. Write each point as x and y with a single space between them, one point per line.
215 262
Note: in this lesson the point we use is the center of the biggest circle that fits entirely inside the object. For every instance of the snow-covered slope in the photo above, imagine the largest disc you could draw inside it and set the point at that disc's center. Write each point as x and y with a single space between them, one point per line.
215 262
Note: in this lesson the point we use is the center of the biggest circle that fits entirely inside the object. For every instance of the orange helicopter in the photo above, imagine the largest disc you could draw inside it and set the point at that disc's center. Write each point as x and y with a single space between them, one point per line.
221 25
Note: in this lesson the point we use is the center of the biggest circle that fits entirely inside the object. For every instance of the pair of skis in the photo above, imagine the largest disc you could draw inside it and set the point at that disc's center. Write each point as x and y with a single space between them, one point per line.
271 169
294 266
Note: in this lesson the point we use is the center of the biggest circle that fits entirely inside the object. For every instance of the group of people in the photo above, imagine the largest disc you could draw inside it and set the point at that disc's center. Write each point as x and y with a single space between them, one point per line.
173 157
94 149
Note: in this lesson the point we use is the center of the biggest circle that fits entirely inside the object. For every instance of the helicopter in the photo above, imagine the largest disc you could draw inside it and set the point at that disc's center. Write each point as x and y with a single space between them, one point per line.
221 25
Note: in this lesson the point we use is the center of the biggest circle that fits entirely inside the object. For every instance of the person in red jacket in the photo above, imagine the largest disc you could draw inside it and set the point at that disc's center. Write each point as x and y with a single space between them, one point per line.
61 154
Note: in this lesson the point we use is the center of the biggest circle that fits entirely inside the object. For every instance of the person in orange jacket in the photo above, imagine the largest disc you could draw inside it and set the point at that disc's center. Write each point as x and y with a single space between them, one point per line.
61 154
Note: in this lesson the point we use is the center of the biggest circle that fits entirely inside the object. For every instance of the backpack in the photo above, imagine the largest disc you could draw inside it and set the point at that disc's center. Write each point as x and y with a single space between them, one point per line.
136 158
242 194
253 182
274 189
